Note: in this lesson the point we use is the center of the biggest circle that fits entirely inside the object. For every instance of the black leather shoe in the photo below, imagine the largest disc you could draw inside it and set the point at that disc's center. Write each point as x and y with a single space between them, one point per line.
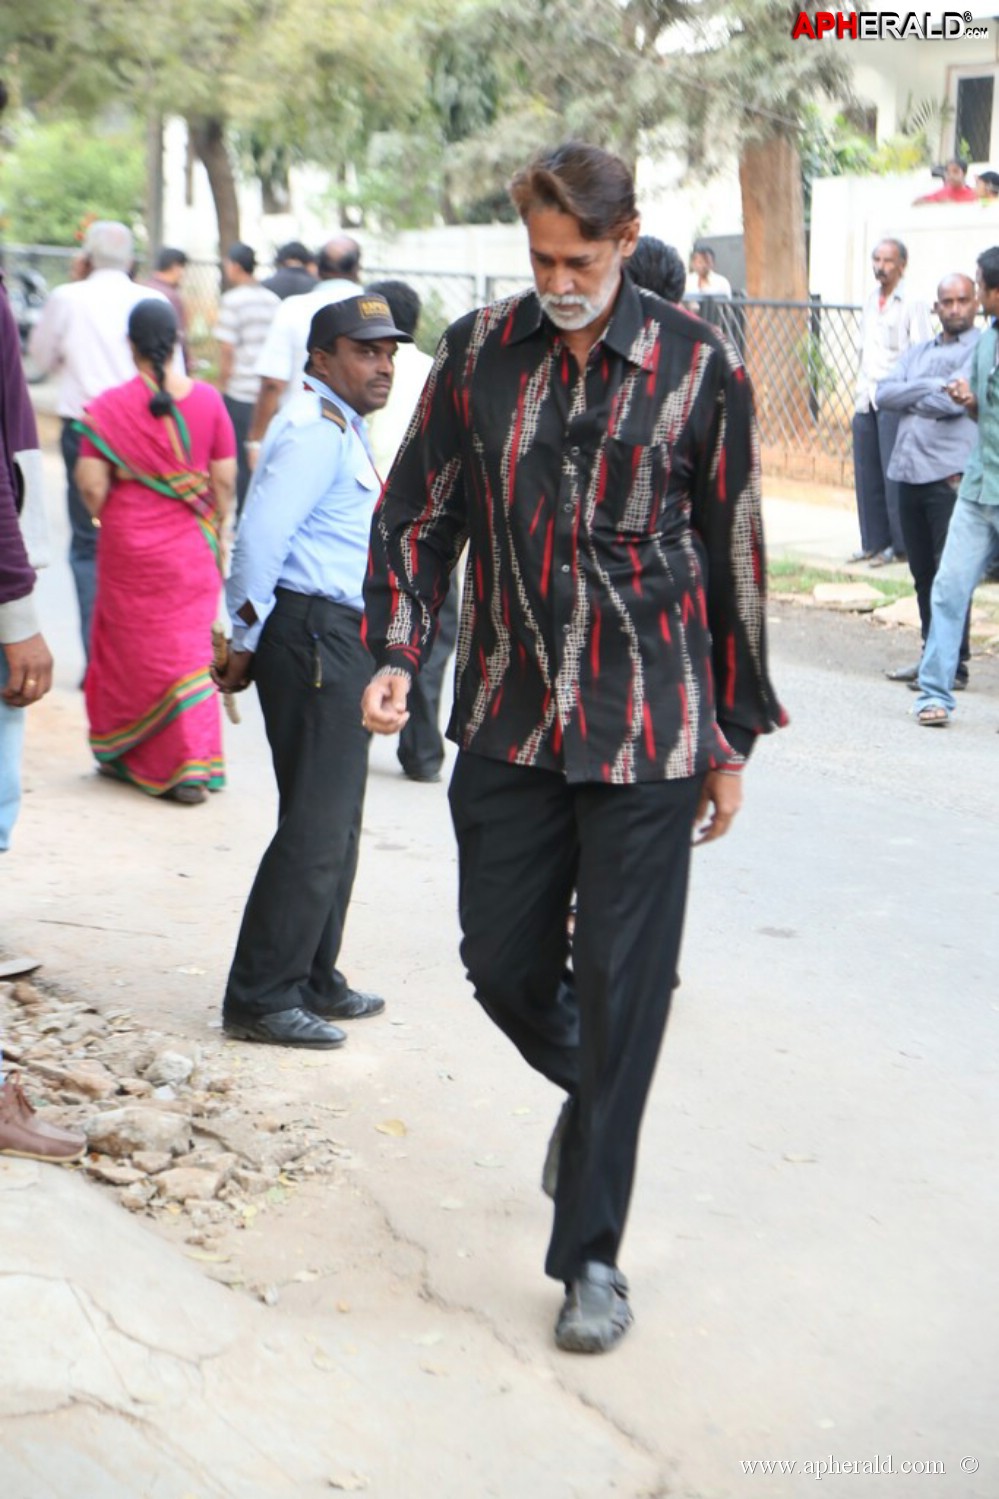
859 557
426 774
960 683
353 1005
882 559
904 673
284 1028
595 1314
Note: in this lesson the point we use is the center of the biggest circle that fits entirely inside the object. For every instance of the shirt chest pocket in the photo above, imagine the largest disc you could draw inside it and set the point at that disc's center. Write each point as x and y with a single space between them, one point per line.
631 482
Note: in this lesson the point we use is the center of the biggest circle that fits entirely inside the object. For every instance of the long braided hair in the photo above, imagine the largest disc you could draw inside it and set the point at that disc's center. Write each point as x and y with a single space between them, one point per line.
152 327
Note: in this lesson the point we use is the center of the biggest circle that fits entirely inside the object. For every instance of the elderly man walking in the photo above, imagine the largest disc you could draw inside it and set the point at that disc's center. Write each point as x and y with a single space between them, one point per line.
596 448
892 322
82 335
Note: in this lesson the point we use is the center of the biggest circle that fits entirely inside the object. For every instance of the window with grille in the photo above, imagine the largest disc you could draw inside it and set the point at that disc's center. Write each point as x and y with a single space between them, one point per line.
973 118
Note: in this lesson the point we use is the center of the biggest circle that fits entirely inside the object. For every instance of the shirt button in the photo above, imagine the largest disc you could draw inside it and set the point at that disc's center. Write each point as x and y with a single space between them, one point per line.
566 568
574 451
566 629
567 509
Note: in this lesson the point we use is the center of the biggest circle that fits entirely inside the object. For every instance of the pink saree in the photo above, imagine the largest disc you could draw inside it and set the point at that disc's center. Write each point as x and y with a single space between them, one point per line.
154 713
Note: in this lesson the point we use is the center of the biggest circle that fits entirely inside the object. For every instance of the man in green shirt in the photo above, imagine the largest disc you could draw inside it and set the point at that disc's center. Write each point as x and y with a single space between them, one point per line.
973 536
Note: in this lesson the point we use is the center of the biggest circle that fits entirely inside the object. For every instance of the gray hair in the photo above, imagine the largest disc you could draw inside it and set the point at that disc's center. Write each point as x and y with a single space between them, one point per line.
108 245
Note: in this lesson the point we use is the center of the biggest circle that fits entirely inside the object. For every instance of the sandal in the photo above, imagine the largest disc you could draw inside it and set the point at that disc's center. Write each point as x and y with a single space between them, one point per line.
933 717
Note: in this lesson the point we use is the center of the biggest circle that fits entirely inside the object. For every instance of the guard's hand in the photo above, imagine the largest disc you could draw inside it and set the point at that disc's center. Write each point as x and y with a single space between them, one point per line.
29 668
383 706
238 672
722 793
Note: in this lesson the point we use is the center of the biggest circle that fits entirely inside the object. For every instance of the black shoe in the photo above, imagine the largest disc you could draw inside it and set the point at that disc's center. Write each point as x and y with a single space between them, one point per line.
352 1005
428 775
882 559
595 1314
549 1171
960 683
284 1028
904 673
859 557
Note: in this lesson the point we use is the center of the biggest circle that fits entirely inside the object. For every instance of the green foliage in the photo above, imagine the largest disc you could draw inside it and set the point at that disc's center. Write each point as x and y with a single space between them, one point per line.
58 173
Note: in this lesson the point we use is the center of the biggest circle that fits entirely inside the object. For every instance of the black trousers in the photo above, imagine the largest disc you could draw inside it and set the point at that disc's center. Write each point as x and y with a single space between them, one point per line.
310 669
241 415
925 511
526 840
874 435
421 745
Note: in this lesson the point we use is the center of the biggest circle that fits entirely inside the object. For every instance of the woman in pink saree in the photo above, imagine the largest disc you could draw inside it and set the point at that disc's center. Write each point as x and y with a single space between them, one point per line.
157 466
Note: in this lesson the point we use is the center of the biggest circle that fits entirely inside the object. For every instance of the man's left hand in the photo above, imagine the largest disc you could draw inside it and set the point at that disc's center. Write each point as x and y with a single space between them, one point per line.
722 793
29 668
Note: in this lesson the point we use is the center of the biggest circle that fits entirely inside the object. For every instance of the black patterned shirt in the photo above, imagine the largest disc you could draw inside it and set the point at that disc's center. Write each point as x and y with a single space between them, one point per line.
612 622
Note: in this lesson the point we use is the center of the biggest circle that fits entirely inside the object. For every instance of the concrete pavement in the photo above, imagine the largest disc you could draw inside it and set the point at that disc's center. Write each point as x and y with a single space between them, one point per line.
813 1242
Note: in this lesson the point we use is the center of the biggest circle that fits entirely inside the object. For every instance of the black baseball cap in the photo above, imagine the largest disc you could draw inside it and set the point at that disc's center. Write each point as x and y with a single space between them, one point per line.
365 318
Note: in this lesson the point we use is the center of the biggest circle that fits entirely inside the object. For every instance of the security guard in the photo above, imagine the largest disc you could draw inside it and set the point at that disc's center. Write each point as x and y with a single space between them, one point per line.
295 600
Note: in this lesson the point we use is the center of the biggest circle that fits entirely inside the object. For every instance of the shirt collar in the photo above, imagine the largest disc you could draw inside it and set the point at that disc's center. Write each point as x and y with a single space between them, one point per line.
620 335
313 382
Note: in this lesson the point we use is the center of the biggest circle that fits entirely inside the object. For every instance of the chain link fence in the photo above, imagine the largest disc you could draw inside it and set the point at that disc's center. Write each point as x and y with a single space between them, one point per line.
801 356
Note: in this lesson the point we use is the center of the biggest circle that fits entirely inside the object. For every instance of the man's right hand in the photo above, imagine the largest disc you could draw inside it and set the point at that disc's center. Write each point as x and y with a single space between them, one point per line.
961 392
237 674
29 671
383 706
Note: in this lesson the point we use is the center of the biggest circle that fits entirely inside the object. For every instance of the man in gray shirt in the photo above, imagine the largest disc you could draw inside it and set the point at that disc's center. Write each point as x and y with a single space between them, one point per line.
934 440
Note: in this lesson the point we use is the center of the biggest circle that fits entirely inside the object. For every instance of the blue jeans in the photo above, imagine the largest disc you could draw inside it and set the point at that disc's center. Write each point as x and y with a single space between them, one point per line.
83 536
11 741
972 542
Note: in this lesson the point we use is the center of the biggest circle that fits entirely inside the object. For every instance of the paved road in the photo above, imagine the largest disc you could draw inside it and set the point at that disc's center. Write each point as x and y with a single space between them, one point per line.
813 1247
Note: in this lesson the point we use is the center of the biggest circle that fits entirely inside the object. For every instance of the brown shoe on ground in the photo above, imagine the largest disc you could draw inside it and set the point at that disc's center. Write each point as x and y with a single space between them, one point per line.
23 1133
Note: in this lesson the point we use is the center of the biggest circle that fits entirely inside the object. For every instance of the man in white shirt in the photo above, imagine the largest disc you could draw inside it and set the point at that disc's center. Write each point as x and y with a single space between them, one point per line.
282 358
246 312
82 335
892 322
421 745
704 280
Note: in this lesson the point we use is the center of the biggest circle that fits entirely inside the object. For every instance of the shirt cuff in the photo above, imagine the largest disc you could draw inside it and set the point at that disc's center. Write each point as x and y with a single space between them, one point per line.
741 739
18 621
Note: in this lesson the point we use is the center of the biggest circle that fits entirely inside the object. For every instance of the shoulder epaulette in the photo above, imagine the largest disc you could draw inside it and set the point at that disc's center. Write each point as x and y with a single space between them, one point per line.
332 413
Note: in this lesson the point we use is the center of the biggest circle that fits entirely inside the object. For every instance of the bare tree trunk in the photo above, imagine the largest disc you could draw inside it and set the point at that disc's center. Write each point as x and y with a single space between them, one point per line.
207 136
778 340
773 219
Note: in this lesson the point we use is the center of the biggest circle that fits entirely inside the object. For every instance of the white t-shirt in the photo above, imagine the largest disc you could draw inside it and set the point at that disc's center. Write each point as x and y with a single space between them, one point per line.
388 427
715 286
285 347
83 335
245 315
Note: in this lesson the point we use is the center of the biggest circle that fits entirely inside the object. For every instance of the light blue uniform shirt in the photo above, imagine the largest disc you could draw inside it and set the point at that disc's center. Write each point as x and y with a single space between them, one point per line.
981 475
307 518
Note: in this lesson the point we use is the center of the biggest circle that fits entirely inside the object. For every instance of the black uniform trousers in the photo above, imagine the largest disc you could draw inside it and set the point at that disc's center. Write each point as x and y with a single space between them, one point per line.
925 511
311 669
526 840
874 434
241 416
421 746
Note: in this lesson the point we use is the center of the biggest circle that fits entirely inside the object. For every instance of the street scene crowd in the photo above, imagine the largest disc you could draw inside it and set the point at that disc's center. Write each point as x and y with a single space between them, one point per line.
567 496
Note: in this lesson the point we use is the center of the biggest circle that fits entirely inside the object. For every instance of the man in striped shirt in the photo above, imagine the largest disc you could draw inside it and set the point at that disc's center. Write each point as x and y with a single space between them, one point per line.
596 448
